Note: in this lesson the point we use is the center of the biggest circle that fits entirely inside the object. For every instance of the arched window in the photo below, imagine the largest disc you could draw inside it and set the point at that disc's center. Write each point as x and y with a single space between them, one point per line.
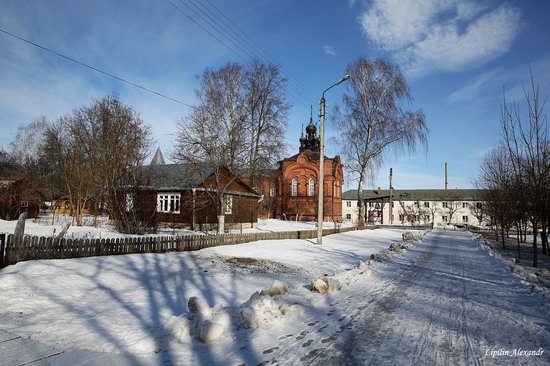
311 187
295 187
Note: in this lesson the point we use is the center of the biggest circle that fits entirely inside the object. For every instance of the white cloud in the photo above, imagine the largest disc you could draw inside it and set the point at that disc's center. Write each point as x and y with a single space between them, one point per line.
491 84
329 50
446 35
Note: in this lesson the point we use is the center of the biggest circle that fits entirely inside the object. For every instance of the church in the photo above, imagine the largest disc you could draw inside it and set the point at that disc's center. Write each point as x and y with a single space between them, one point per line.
290 192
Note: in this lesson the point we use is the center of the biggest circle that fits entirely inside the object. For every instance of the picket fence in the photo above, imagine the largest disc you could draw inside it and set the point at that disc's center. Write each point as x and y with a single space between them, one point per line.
16 249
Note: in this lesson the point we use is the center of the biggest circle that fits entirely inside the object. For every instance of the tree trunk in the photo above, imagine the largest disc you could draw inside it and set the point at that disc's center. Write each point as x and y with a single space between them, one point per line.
360 205
221 224
544 241
535 254
502 233
519 240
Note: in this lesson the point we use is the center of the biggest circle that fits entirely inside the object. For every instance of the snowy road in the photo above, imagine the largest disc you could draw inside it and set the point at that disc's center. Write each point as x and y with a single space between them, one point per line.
446 302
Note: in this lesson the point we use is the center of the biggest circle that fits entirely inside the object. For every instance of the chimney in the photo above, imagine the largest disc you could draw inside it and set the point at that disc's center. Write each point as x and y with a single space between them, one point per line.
446 175
378 190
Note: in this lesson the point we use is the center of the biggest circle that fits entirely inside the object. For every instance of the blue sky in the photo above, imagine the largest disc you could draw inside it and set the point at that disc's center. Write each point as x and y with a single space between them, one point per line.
457 56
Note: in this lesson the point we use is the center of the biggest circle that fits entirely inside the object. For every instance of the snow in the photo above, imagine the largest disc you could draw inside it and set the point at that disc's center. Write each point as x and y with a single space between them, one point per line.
43 227
442 300
123 303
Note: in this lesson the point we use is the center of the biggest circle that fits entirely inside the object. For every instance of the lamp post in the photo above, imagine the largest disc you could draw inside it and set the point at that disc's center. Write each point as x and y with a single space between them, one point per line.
320 198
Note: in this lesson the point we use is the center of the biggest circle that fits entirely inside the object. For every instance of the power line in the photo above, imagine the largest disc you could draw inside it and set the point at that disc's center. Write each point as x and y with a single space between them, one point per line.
251 46
216 27
305 88
96 69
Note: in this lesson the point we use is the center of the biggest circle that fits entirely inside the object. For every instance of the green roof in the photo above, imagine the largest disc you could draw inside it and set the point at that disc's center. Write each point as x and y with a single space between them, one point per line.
417 194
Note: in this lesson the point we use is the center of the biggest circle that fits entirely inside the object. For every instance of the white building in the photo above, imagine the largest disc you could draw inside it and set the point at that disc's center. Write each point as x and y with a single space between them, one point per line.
416 206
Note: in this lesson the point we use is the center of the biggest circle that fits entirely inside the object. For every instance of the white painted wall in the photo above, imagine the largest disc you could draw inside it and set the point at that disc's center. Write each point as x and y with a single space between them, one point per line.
462 216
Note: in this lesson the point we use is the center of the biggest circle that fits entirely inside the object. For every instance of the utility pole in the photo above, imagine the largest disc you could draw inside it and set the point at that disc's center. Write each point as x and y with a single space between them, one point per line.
446 176
391 197
320 199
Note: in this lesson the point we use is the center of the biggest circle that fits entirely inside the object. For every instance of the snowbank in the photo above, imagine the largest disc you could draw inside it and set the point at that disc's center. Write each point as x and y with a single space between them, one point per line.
139 303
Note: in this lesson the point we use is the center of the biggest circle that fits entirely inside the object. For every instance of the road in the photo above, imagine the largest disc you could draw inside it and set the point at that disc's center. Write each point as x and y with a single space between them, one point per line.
447 301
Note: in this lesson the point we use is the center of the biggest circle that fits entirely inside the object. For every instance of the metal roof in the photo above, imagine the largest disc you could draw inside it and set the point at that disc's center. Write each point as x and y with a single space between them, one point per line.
417 194
175 176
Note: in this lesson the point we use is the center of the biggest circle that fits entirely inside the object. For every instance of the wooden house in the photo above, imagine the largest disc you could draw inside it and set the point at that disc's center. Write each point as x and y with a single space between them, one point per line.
179 195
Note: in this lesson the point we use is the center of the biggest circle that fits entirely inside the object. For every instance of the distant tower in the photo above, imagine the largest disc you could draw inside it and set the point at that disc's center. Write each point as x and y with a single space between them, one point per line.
158 159
446 176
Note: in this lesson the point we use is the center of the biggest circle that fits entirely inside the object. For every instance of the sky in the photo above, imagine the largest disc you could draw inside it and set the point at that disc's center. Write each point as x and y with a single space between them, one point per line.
457 55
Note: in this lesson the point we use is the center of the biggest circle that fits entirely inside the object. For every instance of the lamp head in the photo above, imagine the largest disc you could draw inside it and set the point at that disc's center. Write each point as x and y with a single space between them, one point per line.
346 77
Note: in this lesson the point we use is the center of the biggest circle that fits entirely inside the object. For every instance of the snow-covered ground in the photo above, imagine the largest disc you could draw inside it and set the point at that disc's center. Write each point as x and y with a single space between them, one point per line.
129 303
43 227
445 300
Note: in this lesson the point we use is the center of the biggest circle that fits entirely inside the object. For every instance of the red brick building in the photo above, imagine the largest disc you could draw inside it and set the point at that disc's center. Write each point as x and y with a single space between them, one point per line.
291 190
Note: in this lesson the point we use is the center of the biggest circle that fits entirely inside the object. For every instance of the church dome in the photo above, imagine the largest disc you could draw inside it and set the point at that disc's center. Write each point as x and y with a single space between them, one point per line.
311 129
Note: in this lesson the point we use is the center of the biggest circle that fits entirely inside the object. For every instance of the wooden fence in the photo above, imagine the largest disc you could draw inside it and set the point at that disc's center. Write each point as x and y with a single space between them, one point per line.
16 249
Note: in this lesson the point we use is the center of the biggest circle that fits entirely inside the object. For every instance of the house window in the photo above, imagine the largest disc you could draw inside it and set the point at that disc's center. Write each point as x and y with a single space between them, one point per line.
401 217
348 204
228 205
445 205
294 187
478 204
129 202
445 219
371 204
311 187
24 203
464 218
348 216
426 204
464 205
168 202
426 217
272 192
416 204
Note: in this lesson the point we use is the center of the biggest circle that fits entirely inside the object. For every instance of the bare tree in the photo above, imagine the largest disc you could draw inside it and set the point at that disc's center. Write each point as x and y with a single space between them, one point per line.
119 141
212 137
451 206
479 210
97 152
66 148
496 182
529 156
29 139
413 213
266 115
374 119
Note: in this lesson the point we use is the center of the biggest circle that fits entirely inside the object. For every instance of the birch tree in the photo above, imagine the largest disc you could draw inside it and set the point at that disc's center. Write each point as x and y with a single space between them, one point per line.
374 119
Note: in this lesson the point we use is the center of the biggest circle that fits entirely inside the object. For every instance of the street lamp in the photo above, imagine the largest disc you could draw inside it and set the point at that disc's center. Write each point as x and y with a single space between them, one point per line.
320 198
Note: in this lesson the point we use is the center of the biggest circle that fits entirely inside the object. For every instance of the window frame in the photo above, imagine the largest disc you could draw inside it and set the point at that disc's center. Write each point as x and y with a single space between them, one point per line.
294 187
169 202
228 205
311 187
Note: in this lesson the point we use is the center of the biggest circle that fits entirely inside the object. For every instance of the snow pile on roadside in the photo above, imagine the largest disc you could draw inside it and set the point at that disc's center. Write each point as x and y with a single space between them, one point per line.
262 310
539 280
